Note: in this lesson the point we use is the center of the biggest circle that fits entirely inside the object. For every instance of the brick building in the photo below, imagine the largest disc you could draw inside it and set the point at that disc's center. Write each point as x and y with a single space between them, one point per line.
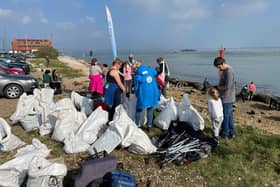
30 44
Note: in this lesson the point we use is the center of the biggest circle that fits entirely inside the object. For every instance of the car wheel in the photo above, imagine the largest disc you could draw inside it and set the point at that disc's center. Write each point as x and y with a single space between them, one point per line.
13 91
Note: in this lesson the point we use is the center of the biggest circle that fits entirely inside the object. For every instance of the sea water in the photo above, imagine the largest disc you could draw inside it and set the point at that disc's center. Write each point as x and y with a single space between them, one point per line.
262 66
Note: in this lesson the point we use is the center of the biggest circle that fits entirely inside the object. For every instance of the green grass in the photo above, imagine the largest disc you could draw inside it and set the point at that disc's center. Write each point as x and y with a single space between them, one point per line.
252 159
63 70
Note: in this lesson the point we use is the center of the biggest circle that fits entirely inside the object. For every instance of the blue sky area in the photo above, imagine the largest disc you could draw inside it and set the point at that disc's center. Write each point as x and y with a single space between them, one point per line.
143 24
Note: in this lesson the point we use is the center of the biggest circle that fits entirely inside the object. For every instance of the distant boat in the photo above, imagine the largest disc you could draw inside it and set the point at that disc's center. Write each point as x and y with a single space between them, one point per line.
187 50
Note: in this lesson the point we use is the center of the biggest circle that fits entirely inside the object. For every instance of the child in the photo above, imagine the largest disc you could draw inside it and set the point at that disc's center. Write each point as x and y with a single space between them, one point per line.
215 110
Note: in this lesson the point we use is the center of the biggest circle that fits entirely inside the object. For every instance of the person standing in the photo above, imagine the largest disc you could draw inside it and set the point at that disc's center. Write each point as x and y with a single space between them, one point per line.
215 110
222 51
131 59
95 77
244 93
226 89
146 91
48 61
205 84
252 90
127 71
162 75
113 88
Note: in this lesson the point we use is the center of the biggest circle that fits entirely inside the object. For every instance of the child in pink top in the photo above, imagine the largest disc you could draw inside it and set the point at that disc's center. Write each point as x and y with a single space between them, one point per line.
127 71
252 90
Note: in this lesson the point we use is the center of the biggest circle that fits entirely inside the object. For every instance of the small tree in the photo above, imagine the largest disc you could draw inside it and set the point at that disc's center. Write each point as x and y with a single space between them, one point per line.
47 51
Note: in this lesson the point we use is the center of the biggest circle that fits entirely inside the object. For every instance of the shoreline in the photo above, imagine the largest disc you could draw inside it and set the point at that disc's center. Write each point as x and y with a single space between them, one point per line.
77 63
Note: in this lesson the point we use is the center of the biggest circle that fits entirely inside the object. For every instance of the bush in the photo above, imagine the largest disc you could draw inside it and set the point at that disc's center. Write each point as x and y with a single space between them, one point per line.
51 52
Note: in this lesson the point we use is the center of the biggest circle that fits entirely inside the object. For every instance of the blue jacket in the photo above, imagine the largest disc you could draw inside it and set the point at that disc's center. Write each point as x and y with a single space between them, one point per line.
146 88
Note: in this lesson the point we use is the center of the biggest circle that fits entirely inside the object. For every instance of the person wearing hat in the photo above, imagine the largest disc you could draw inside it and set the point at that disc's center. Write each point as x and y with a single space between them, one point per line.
226 89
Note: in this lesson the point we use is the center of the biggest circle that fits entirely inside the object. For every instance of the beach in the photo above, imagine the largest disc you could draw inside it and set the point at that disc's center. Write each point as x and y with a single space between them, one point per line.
264 120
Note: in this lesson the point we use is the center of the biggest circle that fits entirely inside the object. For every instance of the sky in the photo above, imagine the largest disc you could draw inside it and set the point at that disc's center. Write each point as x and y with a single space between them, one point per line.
143 24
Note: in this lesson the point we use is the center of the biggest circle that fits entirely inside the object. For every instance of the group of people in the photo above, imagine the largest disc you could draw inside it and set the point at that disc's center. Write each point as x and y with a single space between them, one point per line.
124 78
221 99
53 81
247 92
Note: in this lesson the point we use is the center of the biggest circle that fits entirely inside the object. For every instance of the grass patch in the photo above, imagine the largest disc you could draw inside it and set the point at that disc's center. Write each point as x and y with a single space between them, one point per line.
63 70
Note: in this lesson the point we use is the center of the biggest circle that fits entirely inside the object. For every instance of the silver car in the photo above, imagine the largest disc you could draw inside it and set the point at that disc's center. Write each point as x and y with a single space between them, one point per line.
12 86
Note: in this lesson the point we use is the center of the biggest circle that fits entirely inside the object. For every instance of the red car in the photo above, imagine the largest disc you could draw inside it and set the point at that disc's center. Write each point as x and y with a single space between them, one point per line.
9 70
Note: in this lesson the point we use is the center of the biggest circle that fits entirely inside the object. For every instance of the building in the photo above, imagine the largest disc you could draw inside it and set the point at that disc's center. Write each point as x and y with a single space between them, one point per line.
30 44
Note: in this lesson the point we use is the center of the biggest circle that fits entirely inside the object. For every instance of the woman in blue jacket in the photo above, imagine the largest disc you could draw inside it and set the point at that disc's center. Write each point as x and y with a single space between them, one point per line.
146 91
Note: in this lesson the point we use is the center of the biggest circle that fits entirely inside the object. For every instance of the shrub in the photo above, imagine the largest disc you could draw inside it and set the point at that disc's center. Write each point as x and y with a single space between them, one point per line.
51 52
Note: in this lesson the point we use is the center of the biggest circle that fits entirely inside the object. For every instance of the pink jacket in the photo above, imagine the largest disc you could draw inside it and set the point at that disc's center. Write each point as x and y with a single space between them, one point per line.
95 84
252 88
127 72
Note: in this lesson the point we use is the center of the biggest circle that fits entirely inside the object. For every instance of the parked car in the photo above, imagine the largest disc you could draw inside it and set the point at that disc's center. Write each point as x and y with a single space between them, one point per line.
20 64
12 86
10 70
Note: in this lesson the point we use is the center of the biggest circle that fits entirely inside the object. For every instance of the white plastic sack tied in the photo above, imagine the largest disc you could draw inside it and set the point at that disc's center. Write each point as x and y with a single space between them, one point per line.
93 126
163 102
74 144
44 173
31 122
187 113
168 114
16 169
87 133
47 107
68 119
26 105
8 141
123 130
82 103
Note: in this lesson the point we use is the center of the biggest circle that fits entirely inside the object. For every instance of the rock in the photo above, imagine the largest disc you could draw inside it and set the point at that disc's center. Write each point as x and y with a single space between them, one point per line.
252 112
262 113
259 121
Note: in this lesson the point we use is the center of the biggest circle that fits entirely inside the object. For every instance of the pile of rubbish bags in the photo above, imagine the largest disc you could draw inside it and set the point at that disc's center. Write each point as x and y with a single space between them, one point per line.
74 122
31 161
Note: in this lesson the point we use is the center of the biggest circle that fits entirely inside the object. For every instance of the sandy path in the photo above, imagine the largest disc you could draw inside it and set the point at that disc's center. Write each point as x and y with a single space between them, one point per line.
75 63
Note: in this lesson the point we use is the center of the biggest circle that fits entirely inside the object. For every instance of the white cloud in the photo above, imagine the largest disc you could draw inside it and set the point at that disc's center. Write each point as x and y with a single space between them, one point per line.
66 25
5 12
26 19
88 19
96 34
174 9
244 7
44 20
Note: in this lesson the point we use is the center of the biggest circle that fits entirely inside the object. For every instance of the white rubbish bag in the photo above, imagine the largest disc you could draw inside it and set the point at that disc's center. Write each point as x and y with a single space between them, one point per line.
187 113
82 103
168 114
163 102
93 126
8 141
123 131
15 170
74 144
68 119
43 173
31 122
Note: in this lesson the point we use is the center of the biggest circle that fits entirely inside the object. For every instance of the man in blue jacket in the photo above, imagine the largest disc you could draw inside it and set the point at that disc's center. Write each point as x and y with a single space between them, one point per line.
146 91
